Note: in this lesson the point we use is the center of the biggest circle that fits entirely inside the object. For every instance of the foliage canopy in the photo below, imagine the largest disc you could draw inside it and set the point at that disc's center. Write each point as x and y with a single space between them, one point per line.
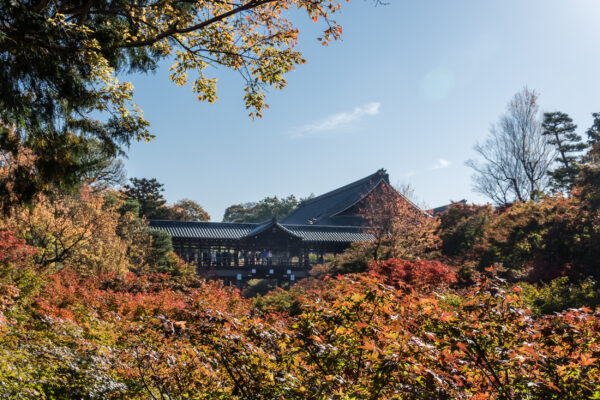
59 90
152 204
264 210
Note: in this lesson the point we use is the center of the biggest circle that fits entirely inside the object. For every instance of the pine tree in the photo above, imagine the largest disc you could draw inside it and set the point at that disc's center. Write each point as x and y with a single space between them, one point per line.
593 135
148 194
560 130
589 181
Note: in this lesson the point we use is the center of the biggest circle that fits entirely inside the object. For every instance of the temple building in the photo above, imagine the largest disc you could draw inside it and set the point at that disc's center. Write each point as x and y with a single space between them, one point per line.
284 250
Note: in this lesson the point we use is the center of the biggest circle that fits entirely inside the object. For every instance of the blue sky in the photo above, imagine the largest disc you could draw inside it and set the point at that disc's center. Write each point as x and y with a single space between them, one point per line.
411 87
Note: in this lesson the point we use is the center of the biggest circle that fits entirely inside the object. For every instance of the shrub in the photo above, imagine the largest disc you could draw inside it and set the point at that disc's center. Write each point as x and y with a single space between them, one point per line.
542 241
279 301
128 336
461 228
560 294
355 259
419 274
259 287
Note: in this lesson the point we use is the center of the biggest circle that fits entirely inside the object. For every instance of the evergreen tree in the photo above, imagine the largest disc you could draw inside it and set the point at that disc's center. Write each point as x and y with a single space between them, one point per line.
593 133
589 181
560 131
264 210
160 250
148 194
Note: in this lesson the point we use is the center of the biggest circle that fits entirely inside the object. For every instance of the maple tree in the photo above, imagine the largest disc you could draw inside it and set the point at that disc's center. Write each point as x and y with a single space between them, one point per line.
561 294
461 229
74 230
400 229
60 94
419 273
188 210
91 232
13 249
87 310
544 240
155 336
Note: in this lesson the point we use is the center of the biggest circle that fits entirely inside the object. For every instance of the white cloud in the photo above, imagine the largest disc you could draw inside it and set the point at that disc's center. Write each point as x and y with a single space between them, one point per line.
338 120
441 163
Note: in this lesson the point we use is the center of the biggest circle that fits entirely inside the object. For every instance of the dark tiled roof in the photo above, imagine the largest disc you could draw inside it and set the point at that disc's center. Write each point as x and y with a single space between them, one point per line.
273 223
322 209
343 220
320 233
237 231
321 219
203 230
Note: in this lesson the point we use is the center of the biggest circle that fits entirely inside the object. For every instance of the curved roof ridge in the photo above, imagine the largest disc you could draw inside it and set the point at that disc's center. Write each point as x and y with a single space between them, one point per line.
381 174
317 227
364 196
206 222
321 209
263 227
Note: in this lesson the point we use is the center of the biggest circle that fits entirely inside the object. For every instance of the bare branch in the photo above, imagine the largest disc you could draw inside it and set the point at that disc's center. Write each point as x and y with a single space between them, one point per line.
516 155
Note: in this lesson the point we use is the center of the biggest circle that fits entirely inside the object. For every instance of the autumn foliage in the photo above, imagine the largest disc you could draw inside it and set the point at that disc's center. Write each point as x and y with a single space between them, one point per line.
475 303
419 273
115 328
94 305
13 249
353 337
400 229
537 242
